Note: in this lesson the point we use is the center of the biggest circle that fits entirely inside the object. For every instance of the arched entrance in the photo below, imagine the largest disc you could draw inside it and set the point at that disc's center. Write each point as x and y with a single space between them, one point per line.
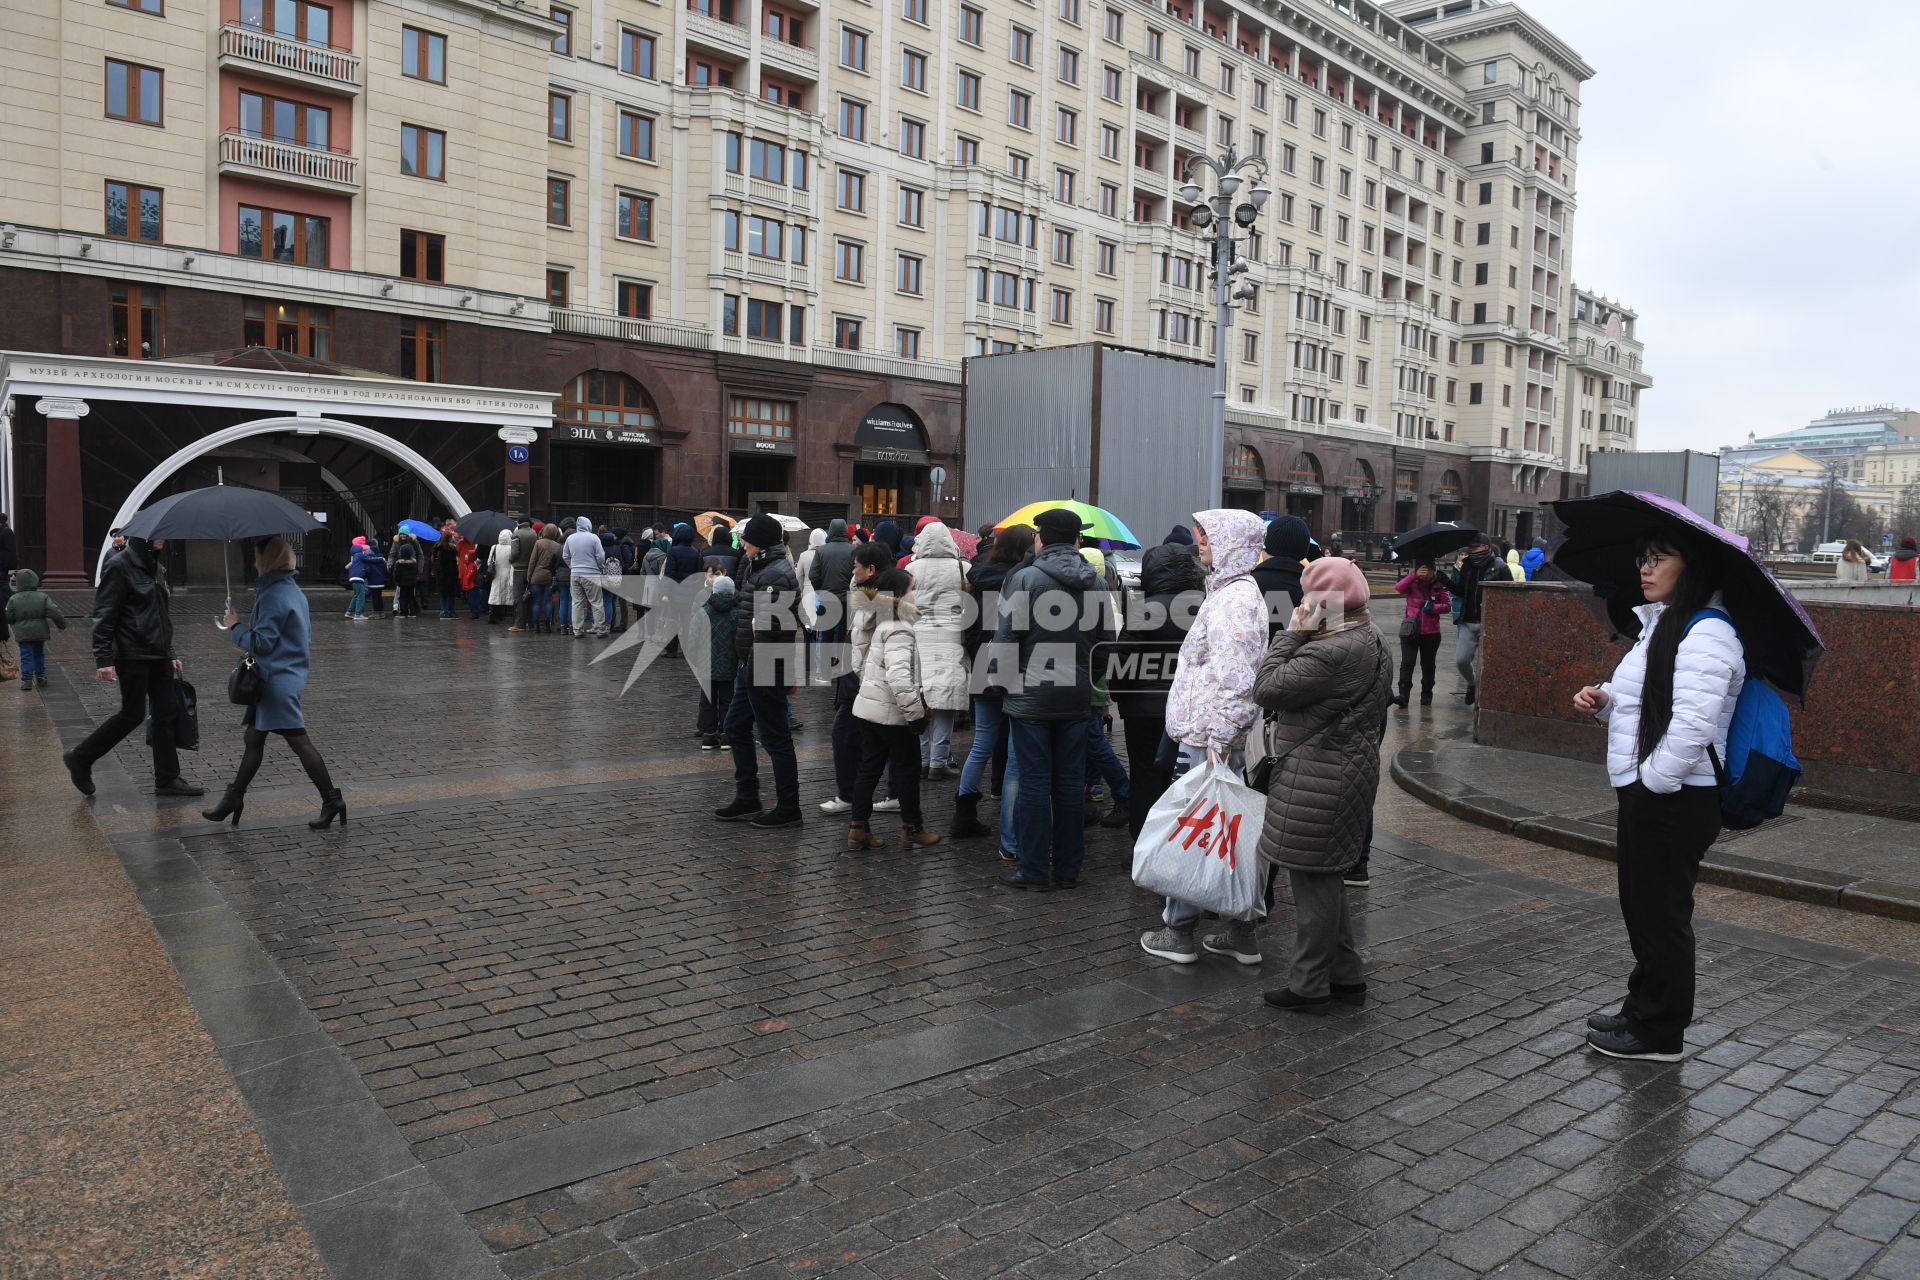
1244 486
891 461
1450 497
605 451
213 442
1306 486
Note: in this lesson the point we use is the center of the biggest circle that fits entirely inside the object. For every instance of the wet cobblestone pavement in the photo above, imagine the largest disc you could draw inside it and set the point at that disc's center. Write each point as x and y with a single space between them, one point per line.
534 1014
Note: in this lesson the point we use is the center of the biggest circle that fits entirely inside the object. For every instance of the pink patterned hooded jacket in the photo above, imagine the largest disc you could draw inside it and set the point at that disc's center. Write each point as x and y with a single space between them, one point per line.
1211 702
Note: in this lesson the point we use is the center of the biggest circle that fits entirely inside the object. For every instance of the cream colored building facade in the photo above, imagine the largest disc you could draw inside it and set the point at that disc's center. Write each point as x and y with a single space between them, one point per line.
887 186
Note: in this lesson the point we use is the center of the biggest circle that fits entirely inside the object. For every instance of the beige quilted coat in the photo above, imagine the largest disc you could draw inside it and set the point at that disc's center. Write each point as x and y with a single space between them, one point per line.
1321 796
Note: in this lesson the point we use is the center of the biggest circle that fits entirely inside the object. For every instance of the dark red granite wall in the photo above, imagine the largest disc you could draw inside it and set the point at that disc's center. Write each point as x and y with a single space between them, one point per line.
1859 731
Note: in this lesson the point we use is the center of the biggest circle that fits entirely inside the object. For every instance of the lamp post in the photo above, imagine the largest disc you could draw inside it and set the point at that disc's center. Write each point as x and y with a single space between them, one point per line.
1223 216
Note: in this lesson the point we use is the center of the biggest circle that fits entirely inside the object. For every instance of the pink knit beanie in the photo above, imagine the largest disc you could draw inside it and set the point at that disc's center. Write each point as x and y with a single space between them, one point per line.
1339 575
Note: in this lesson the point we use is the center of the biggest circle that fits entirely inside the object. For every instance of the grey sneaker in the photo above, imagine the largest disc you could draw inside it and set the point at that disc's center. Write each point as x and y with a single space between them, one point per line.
1170 943
1237 943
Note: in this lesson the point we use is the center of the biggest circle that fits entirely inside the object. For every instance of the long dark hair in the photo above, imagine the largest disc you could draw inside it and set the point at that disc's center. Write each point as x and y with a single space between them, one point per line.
1011 544
1690 595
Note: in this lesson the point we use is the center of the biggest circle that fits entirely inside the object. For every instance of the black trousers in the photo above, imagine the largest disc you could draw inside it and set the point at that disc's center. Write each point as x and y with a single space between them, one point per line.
1660 841
893 750
1424 647
1147 781
714 705
141 684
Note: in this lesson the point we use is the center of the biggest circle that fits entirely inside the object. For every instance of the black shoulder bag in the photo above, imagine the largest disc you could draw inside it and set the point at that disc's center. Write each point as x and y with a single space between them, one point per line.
1261 779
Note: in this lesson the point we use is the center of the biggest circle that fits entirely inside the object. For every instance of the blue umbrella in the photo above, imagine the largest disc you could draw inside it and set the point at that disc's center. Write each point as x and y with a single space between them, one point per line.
421 530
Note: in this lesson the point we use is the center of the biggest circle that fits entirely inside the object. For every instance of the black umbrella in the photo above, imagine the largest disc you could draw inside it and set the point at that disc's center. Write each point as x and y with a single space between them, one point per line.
1431 541
482 528
1600 547
222 513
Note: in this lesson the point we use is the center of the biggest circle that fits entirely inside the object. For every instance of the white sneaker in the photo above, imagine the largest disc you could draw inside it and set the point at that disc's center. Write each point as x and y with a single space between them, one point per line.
889 805
836 805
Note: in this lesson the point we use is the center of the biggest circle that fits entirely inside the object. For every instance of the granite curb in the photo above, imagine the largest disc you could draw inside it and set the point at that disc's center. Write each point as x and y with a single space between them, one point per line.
1416 770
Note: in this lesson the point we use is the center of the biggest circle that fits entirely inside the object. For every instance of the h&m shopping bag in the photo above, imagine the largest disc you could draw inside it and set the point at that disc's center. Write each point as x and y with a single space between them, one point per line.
1201 843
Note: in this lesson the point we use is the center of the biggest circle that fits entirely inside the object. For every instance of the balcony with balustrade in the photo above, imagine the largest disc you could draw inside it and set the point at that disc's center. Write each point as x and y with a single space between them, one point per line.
250 156
278 57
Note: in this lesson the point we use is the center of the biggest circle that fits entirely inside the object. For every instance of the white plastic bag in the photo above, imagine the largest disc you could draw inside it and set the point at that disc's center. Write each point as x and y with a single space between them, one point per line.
1201 843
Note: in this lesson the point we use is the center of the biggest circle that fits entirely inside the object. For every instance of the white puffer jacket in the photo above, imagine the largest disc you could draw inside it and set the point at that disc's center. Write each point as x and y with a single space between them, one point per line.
1708 671
887 657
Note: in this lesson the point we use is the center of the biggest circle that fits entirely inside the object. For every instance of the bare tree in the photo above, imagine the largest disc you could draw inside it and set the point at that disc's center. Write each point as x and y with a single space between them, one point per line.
1770 513
1906 510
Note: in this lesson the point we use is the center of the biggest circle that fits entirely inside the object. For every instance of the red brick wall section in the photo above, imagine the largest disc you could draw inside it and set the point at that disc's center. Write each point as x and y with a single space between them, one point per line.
1540 644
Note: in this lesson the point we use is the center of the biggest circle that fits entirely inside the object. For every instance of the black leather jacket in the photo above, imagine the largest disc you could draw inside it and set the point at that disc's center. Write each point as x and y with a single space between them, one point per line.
771 596
131 621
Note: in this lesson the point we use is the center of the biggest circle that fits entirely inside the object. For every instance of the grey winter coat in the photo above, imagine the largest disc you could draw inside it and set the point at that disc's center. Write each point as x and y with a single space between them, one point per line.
1050 648
1322 794
831 572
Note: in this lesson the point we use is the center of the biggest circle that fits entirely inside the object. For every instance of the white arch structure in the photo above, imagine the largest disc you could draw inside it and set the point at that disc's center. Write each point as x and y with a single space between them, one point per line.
379 442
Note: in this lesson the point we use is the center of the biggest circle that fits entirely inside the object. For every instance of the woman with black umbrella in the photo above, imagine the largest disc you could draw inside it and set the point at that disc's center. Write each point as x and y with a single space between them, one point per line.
278 636
1666 708
133 647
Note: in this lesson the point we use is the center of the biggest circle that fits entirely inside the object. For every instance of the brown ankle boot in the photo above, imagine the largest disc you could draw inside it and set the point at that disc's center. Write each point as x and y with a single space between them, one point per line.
911 836
858 837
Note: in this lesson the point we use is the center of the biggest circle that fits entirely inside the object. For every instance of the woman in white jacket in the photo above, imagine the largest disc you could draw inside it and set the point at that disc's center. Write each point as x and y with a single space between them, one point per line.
940 594
889 711
1667 706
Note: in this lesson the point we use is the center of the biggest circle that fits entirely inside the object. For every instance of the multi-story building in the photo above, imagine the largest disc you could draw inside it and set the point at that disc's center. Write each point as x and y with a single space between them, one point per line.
679 254
1605 377
1843 437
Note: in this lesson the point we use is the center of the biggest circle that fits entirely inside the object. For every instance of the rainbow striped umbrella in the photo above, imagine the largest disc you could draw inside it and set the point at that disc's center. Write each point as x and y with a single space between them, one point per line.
1100 522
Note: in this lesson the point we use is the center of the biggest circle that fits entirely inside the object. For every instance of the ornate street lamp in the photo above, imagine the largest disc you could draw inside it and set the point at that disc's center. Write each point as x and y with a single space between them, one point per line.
1223 216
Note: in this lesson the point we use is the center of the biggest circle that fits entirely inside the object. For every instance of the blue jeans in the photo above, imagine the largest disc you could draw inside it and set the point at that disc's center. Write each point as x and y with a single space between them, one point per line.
1050 760
537 601
358 606
562 603
33 658
1102 761
449 597
761 710
476 603
987 718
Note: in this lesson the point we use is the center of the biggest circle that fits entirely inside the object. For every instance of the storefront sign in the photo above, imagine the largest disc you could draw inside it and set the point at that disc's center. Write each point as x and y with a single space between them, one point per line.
897 457
895 427
607 435
779 448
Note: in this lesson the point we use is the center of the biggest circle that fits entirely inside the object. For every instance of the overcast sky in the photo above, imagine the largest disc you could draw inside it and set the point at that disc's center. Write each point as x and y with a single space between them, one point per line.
1749 181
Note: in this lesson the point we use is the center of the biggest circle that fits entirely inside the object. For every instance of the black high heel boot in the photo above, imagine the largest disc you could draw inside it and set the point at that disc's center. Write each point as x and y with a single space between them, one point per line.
331 807
230 806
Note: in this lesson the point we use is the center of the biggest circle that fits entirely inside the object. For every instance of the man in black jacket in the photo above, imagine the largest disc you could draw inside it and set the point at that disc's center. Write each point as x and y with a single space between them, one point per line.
832 575
133 646
1051 616
767 643
1481 565
1289 542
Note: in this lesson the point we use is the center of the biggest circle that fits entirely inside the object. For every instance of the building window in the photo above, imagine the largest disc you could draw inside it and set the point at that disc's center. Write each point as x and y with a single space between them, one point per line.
420 346
906 343
133 212
851 191
1070 11
636 136
1109 141
1067 127
784 28
136 321
1020 47
849 262
558 281
913 70
1116 25
1016 165
140 6
1063 246
761 419
1105 257
633 300
1063 185
914 11
966 151
293 19
853 49
853 119
1069 68
1060 306
293 327
423 55
283 236
906 275
1019 109
1112 82
633 216
846 334
972 25
423 256
637 52
1109 200
563 40
285 121
913 138
912 207
423 152
967 90
608 400
559 202
1103 315
560 117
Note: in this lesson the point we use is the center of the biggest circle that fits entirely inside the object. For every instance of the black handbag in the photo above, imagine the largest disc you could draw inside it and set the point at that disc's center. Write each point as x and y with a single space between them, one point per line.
1409 627
186 727
245 686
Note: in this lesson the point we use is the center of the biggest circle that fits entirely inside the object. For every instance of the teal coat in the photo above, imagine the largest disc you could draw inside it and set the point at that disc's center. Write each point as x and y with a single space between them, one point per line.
30 609
279 636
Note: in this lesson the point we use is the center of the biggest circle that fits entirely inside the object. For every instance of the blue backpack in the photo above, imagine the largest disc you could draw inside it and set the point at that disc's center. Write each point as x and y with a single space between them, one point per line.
1760 768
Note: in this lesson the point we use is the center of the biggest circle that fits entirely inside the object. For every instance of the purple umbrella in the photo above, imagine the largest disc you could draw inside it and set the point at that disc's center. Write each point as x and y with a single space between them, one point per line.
1599 548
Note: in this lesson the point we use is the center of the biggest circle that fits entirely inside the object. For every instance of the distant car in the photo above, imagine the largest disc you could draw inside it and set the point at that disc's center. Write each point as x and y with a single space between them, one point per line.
1828 552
